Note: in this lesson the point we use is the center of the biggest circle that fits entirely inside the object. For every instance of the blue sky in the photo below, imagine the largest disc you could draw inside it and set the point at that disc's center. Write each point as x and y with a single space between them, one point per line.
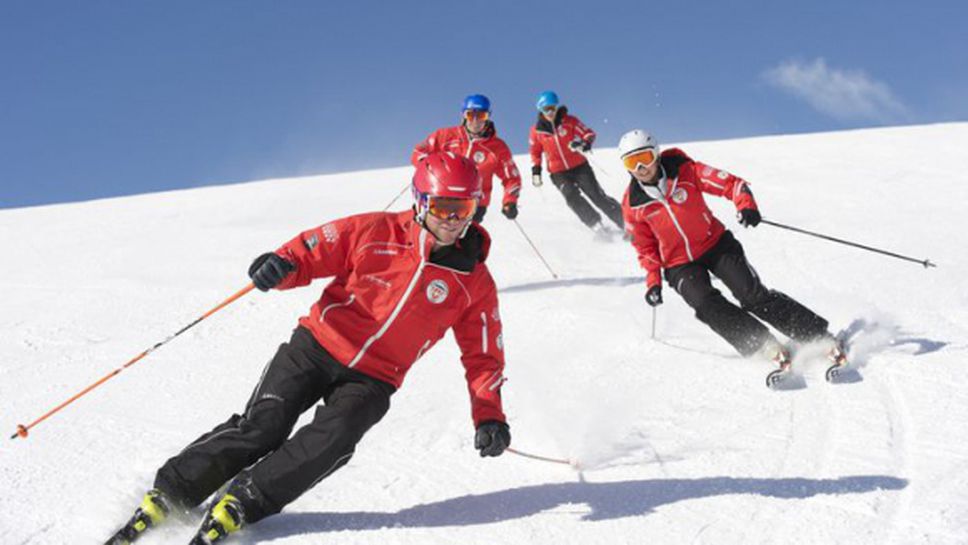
113 98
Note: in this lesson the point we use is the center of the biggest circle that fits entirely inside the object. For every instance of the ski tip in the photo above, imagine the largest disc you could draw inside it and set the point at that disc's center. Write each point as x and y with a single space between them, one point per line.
927 263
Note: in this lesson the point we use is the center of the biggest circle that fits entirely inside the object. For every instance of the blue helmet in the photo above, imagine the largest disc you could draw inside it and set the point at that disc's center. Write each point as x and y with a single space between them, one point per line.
547 98
478 103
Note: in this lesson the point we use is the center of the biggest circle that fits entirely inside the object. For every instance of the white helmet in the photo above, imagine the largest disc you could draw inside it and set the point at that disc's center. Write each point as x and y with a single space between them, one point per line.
636 140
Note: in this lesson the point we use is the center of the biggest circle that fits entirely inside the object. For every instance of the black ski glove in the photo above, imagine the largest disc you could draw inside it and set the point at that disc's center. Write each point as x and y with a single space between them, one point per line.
536 176
582 146
749 217
510 210
492 438
268 270
654 296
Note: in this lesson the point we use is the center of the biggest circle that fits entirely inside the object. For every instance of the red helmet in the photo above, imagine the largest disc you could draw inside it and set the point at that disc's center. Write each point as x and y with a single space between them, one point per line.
447 175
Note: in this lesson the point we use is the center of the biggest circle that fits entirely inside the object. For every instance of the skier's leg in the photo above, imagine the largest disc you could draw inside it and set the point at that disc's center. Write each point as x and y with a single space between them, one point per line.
568 185
736 326
775 308
590 187
353 405
293 380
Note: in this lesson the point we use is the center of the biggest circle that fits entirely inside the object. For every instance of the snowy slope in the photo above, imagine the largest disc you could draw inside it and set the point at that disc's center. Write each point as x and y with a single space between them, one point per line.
683 442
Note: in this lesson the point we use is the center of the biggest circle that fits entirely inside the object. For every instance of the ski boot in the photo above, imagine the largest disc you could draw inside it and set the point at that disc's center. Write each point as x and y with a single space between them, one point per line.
838 358
154 510
225 517
780 356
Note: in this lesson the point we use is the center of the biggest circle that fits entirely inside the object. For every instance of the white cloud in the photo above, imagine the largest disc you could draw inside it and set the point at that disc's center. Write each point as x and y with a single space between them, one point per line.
842 94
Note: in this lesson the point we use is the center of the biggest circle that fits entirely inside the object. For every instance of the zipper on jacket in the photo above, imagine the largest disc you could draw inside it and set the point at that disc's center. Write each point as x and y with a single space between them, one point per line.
554 134
396 310
665 203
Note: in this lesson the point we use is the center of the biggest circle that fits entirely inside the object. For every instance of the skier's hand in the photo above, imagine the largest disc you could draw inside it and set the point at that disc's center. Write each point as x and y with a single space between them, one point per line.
580 146
536 176
268 270
492 438
510 210
654 296
749 217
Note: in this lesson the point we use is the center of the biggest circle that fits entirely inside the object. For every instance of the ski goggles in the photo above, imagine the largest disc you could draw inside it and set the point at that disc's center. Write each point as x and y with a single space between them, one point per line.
450 208
549 110
646 157
476 115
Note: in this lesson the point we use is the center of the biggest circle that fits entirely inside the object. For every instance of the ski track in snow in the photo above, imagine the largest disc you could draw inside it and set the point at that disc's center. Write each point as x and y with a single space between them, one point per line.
679 439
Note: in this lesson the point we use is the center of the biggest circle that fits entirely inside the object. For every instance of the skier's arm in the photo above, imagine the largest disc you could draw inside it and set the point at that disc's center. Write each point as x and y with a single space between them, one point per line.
424 148
723 184
509 175
585 133
478 333
534 148
317 253
647 249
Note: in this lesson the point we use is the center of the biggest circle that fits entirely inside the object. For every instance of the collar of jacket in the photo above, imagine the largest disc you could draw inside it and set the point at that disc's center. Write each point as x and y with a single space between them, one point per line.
640 194
462 256
543 125
488 132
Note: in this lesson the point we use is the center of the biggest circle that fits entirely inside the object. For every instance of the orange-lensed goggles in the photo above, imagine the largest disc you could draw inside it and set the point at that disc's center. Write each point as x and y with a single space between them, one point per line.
646 158
449 208
476 115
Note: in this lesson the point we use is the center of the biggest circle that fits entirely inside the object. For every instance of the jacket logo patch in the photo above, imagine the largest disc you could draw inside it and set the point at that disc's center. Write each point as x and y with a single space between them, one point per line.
562 131
479 157
311 242
722 175
707 171
680 195
437 291
330 233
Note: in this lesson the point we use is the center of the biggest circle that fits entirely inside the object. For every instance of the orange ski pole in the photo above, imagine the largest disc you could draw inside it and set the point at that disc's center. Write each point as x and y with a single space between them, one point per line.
22 430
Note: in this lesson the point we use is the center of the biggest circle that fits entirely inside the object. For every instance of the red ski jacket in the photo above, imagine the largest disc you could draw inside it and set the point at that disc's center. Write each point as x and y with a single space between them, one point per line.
491 155
391 300
553 141
670 223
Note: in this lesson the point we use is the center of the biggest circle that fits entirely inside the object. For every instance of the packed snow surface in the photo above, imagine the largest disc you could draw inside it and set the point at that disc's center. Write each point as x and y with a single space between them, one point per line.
676 439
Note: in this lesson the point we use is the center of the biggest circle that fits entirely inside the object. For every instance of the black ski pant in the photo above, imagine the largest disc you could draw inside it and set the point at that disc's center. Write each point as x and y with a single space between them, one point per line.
479 215
735 324
574 182
275 468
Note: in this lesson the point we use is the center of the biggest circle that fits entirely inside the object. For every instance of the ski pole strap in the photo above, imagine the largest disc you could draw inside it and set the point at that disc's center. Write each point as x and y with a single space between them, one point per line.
22 430
924 262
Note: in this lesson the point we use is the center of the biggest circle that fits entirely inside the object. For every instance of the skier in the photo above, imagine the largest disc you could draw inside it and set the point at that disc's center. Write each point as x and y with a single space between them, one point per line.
565 140
401 280
673 230
477 139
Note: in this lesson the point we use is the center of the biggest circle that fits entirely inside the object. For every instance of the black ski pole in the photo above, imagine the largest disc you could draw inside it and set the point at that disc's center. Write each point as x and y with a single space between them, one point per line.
400 194
924 262
535 248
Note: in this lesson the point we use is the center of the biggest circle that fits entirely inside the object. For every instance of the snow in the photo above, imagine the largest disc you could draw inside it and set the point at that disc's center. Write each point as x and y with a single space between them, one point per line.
678 439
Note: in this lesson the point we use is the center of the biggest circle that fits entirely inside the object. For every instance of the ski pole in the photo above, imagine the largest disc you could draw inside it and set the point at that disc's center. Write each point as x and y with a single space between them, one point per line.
572 463
535 248
400 194
653 322
23 430
926 263
588 156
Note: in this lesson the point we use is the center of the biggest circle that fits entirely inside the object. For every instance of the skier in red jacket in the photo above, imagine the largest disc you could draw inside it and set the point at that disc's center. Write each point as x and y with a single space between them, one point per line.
399 282
564 140
477 139
674 231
